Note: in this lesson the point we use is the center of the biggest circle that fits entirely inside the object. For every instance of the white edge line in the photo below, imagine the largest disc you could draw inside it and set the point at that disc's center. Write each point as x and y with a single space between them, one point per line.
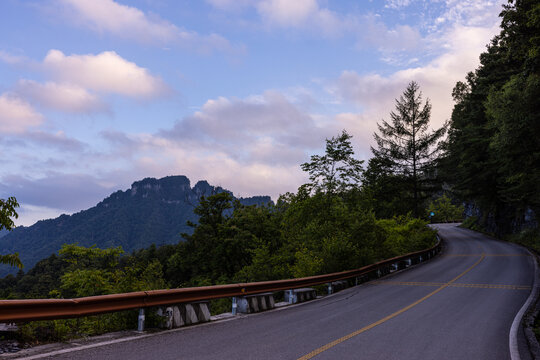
513 337
83 347
116 341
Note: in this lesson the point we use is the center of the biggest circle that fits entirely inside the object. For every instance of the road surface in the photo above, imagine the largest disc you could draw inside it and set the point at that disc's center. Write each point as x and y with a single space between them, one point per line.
460 305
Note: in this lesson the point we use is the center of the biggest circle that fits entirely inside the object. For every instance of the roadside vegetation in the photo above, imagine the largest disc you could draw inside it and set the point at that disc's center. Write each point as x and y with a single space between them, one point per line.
350 214
330 224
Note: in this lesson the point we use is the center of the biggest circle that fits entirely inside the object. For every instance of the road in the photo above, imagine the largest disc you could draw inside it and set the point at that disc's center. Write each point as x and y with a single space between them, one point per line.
460 305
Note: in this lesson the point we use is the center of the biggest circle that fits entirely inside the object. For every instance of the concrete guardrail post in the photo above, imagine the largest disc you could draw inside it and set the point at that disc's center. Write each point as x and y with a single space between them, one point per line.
234 305
140 326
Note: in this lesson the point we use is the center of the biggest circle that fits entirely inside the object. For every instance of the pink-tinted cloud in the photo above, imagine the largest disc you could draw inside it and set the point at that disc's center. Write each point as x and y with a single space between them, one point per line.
61 96
106 72
16 115
108 16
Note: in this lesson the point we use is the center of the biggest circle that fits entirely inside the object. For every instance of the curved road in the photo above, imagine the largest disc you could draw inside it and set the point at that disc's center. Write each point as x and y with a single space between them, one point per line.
459 305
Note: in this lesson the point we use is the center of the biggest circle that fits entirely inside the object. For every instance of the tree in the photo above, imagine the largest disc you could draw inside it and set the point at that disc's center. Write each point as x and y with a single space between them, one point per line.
492 154
406 145
444 210
7 212
337 170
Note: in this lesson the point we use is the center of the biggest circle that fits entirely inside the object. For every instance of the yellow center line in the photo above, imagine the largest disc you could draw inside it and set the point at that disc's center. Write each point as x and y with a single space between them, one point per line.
385 319
487 255
483 286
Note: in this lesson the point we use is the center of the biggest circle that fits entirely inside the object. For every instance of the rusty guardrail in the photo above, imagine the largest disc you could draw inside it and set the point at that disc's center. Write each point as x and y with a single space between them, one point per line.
48 309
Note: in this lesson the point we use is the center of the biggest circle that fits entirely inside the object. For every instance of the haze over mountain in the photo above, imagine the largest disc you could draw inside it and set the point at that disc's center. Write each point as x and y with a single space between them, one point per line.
152 211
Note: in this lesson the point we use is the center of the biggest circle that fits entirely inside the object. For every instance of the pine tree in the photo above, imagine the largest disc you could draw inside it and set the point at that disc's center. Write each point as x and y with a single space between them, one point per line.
406 144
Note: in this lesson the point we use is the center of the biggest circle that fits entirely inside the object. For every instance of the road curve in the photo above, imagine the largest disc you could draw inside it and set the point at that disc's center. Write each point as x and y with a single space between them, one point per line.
460 305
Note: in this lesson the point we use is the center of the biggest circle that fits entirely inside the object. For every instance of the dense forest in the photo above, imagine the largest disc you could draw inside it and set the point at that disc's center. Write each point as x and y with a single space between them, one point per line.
485 163
492 153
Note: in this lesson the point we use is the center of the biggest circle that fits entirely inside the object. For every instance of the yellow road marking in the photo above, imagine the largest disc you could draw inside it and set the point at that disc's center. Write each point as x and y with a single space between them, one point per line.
483 286
487 255
385 319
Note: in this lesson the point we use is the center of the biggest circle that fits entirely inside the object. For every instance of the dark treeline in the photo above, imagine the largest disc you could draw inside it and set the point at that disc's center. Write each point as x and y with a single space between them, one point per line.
493 148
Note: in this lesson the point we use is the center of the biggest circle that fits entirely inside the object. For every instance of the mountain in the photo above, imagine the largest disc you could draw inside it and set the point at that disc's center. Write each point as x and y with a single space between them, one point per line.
152 211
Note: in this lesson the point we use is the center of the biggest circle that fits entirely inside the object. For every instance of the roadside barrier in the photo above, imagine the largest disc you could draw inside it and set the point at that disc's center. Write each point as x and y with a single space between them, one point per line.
50 309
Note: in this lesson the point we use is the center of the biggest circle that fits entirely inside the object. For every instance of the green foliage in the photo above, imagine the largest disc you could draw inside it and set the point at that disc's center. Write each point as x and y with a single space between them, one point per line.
153 211
472 223
406 150
405 234
527 237
7 212
492 153
337 170
444 210
327 230
388 193
92 271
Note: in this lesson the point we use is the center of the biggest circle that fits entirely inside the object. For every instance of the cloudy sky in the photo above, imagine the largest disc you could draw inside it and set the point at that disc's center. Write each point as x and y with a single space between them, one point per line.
97 94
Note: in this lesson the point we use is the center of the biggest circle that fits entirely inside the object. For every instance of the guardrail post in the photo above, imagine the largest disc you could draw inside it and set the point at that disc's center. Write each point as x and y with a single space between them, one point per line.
330 288
140 326
291 296
356 281
234 305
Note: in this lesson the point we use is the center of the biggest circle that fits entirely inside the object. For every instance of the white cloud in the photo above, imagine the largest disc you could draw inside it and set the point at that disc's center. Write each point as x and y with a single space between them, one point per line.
265 128
472 13
105 72
397 4
375 93
219 168
64 97
131 23
388 40
122 20
11 59
287 13
252 146
30 214
16 115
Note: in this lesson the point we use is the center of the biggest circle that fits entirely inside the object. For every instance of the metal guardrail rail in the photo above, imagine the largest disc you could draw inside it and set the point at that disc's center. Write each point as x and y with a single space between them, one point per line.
49 309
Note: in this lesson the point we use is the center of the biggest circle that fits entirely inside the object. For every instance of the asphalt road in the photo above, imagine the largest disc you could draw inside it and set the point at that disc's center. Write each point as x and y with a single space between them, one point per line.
459 305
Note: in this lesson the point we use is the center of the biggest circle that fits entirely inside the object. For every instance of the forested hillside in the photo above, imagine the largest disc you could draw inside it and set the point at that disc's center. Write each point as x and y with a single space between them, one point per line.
152 211
493 148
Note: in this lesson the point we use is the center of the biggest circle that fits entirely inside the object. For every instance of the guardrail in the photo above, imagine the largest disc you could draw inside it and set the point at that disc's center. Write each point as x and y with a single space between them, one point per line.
49 309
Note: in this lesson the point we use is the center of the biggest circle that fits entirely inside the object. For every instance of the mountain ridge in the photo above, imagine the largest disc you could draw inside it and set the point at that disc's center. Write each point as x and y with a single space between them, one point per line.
151 211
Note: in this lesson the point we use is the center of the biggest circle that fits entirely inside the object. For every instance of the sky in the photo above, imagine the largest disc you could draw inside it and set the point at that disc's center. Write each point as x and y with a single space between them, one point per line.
95 95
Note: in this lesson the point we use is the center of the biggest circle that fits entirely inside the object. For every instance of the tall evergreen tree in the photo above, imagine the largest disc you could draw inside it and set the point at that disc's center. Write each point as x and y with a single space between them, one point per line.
407 146
492 152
